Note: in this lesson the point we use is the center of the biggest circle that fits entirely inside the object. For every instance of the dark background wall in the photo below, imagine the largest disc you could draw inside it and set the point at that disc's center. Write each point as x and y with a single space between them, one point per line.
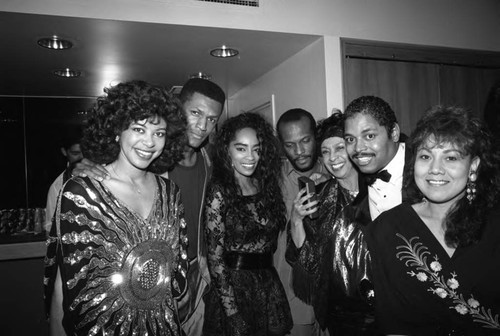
31 130
21 307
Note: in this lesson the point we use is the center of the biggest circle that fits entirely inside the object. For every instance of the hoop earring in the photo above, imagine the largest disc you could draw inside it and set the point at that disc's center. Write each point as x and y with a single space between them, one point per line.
471 187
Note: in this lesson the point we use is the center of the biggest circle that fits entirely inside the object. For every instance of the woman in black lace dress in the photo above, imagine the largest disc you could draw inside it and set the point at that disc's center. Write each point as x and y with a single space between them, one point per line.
244 214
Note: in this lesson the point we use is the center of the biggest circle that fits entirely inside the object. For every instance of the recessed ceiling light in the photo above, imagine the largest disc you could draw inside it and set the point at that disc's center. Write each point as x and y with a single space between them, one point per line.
68 73
201 75
55 42
224 52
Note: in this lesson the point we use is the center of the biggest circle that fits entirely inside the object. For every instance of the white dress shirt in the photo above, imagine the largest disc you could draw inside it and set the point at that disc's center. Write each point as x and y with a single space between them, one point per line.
382 195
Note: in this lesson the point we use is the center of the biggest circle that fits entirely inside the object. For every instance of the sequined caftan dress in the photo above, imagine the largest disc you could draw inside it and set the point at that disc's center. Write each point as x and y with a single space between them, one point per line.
331 269
243 301
120 273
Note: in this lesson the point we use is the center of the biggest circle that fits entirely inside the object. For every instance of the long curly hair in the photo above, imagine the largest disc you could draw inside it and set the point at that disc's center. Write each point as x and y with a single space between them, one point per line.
130 102
455 125
267 173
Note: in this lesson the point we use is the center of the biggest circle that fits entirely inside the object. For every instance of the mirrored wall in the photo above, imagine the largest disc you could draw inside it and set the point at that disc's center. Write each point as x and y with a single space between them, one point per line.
31 135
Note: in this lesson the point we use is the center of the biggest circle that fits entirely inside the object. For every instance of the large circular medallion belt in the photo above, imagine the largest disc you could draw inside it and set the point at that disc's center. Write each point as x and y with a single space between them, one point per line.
146 274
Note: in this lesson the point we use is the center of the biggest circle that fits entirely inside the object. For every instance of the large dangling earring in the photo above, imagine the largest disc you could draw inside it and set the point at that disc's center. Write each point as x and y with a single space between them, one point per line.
471 187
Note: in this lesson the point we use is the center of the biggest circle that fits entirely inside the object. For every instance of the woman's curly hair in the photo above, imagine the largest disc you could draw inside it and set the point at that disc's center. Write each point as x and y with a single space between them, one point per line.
455 125
130 102
267 173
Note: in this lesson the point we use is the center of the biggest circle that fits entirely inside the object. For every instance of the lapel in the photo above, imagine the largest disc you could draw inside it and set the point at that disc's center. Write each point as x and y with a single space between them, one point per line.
405 176
361 205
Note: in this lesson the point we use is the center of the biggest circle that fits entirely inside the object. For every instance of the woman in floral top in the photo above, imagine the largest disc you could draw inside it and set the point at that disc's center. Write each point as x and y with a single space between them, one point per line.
244 213
436 260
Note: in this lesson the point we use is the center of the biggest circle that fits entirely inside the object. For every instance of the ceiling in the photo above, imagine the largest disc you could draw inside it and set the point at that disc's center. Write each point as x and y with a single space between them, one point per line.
109 51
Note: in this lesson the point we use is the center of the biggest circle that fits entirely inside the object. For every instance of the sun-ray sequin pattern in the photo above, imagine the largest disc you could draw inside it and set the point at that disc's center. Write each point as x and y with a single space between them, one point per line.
121 273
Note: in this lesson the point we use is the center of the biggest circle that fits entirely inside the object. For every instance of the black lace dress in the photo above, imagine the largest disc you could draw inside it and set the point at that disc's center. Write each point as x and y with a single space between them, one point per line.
242 301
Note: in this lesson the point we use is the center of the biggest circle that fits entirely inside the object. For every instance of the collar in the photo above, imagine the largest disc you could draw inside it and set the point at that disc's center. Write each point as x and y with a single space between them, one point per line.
396 166
289 169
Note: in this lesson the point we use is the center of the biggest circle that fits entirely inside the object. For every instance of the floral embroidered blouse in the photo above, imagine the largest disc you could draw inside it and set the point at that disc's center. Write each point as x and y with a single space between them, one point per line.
421 290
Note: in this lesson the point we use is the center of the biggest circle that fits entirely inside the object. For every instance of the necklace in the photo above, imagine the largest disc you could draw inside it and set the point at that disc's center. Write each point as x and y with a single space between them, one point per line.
134 186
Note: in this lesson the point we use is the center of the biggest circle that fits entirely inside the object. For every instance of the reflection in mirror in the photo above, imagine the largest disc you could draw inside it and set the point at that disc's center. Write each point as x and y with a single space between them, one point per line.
31 132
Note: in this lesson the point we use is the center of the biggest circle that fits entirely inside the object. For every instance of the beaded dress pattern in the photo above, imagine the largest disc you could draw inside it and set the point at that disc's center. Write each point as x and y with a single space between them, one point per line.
120 272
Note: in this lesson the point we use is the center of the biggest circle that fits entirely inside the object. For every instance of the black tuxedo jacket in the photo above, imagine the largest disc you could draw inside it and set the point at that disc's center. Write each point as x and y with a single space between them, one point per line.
361 203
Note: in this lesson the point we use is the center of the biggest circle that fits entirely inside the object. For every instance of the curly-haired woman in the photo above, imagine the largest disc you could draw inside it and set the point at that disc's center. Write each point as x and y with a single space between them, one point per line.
436 258
117 250
244 214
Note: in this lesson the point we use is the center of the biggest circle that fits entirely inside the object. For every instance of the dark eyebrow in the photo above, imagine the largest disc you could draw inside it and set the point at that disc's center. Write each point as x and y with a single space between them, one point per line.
368 129
461 153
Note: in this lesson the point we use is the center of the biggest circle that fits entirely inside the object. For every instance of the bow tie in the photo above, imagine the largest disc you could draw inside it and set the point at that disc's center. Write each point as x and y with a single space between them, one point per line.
384 175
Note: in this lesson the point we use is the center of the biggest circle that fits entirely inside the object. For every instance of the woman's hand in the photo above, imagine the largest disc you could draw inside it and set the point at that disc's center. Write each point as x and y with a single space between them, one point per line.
301 208
88 168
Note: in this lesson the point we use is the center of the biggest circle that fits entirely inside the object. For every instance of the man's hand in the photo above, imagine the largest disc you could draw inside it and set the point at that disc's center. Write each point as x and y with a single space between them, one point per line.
88 168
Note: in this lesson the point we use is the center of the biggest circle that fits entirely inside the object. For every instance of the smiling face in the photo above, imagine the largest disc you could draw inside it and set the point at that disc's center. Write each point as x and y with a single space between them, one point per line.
299 144
142 142
244 152
335 158
368 144
442 171
202 114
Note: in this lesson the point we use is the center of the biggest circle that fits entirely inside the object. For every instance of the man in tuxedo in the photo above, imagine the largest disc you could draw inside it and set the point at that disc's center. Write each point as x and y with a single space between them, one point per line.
373 143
